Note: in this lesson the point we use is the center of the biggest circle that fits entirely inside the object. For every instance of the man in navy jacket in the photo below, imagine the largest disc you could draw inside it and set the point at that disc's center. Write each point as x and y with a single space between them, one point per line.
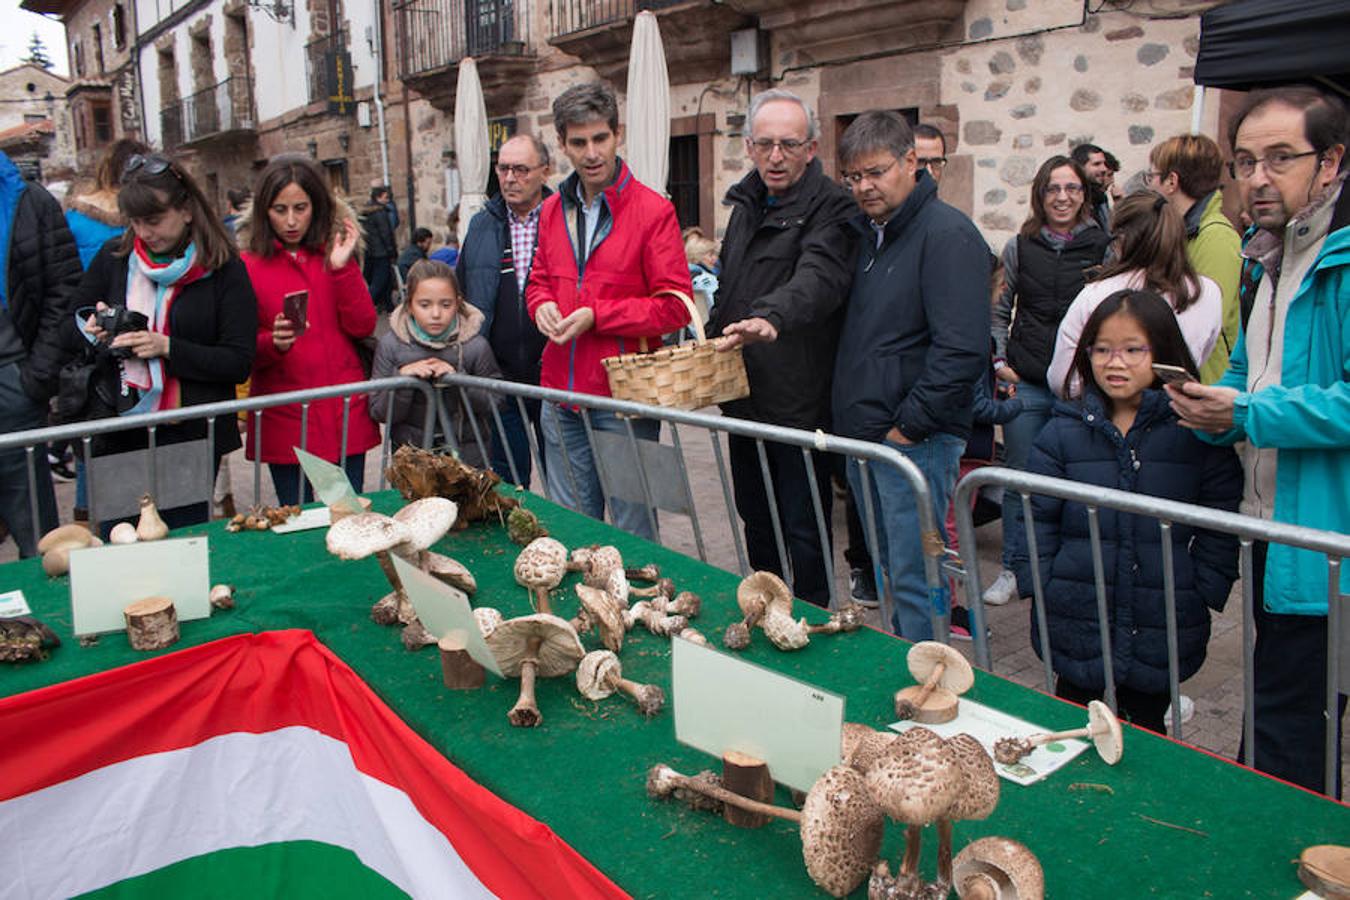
914 343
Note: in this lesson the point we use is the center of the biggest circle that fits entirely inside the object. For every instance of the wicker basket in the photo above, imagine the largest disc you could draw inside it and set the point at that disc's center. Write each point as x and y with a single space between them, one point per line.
687 376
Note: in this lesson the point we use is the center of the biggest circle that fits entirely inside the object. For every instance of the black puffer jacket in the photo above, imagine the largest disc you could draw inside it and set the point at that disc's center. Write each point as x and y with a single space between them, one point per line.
790 263
43 269
1159 458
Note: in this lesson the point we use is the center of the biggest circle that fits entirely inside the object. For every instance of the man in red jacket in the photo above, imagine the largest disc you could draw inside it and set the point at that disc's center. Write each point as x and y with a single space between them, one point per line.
609 255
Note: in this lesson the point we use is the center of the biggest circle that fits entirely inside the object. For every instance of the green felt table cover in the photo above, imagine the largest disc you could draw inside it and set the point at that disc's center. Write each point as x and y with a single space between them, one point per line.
1167 821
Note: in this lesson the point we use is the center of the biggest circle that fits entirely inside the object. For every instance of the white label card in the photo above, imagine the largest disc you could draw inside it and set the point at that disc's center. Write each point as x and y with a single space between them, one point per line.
103 580
12 603
444 610
724 703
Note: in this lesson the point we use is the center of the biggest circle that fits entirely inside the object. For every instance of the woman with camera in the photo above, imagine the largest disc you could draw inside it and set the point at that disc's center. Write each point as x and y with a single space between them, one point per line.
172 301
300 245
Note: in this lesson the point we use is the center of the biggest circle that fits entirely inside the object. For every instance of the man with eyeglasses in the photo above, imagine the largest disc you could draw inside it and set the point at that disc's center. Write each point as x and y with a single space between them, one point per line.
785 269
931 147
915 342
1286 398
494 270
41 270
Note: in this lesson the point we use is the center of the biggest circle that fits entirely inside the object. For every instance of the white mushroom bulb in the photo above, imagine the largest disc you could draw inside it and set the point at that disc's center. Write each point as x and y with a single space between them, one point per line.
600 674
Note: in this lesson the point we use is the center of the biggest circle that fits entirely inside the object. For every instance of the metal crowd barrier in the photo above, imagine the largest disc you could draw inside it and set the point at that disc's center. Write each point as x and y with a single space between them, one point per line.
84 432
1247 529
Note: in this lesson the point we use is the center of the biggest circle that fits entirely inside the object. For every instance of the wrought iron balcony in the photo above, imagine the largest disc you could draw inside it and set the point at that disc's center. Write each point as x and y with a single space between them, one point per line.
435 35
573 16
316 63
221 109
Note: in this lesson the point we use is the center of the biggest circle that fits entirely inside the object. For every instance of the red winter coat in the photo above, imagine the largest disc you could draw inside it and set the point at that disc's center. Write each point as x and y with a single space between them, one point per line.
340 312
637 252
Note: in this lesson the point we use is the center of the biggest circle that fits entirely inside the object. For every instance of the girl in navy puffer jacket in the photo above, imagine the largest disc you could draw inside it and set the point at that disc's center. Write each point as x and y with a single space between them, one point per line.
1124 435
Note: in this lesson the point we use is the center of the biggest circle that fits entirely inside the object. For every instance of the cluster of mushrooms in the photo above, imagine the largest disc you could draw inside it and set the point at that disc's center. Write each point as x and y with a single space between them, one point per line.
766 602
915 778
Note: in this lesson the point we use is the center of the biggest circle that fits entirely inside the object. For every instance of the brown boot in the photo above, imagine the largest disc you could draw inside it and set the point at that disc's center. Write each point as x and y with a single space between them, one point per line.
227 510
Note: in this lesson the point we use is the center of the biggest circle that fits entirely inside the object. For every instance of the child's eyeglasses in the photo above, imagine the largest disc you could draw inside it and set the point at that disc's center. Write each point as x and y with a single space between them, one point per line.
1131 356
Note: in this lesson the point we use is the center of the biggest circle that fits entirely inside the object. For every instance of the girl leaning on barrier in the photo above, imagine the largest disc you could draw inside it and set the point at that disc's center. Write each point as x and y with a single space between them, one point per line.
300 244
1124 435
172 301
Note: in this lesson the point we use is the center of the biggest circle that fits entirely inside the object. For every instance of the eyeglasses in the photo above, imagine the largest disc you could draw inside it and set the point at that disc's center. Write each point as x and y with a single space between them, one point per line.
518 171
1244 165
932 163
1071 190
1131 356
789 146
853 179
149 164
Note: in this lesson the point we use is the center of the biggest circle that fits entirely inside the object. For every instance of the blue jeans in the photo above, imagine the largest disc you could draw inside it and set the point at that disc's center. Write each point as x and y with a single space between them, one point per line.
517 441
19 412
572 476
901 548
1018 437
287 478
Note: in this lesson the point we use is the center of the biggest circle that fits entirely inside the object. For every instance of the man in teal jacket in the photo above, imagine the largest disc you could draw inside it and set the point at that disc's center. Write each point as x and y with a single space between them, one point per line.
1287 395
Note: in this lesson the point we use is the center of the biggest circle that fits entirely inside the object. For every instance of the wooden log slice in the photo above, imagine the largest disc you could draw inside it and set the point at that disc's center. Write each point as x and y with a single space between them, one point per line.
1325 870
941 705
458 669
749 777
152 623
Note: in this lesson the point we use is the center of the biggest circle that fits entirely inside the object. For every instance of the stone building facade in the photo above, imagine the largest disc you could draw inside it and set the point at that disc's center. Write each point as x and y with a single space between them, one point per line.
35 129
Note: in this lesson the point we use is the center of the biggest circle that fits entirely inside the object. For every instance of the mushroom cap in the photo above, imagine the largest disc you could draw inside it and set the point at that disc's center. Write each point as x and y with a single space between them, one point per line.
606 613
359 536
957 675
488 619
542 564
559 650
616 585
427 521
785 632
1106 734
841 830
594 673
451 571
73 532
1005 863
915 781
869 749
979 796
764 587
601 562
850 737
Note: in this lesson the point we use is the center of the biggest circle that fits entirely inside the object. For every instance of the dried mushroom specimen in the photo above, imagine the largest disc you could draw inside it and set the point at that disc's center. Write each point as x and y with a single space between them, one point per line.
419 473
600 674
1103 728
541 646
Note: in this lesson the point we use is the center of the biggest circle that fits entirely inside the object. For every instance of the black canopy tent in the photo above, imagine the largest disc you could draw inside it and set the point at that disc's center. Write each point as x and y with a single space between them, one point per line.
1252 43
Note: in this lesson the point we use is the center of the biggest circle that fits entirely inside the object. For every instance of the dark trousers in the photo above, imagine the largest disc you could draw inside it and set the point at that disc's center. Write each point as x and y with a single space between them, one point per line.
517 441
1291 692
288 479
856 553
379 278
1136 707
19 412
796 513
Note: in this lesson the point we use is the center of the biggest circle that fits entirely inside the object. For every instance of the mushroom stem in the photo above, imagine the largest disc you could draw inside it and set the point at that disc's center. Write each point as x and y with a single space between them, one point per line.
944 829
850 618
1038 739
525 714
913 836
649 572
930 685
978 887
541 602
672 779
664 587
405 610
649 698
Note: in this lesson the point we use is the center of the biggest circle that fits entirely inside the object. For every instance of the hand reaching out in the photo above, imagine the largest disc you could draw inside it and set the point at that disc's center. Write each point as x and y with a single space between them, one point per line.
747 331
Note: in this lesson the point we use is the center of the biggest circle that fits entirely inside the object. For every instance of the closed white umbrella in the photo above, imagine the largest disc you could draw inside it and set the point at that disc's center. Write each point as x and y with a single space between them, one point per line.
471 143
647 149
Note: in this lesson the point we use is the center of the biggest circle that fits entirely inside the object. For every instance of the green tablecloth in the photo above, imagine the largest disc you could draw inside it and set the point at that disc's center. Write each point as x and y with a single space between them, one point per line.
1166 821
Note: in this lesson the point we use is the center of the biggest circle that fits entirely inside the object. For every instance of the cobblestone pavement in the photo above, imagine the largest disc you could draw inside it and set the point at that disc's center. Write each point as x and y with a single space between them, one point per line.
1216 689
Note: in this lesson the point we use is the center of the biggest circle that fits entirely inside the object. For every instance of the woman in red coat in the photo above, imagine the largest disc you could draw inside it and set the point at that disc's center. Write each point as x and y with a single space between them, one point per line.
297 242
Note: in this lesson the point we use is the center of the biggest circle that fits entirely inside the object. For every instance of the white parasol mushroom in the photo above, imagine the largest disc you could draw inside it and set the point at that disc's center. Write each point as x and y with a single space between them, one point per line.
538 645
488 619
600 610
976 799
998 868
540 567
756 595
600 674
915 780
365 534
1103 728
942 673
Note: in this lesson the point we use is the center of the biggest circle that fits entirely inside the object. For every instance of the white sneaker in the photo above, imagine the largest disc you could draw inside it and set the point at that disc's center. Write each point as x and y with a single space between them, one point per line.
1187 711
1002 590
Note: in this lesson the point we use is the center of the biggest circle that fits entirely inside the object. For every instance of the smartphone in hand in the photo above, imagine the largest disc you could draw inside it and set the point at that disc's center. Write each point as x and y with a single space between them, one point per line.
295 307
1172 374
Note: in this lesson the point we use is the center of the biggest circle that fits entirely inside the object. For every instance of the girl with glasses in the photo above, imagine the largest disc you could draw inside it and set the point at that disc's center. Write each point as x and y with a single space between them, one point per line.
1150 244
1123 434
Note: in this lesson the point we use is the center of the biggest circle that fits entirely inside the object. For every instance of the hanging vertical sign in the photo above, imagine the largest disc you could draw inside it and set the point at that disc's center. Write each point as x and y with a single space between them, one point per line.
337 73
500 131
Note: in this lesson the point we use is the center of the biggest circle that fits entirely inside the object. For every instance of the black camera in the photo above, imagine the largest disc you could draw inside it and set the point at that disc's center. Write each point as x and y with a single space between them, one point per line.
117 320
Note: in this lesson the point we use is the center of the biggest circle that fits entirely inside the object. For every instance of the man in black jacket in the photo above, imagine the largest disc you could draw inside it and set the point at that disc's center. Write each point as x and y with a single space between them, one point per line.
378 221
493 269
914 343
43 268
785 269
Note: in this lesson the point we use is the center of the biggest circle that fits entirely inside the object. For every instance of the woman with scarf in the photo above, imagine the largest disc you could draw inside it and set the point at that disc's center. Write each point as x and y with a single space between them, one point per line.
176 267
299 240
